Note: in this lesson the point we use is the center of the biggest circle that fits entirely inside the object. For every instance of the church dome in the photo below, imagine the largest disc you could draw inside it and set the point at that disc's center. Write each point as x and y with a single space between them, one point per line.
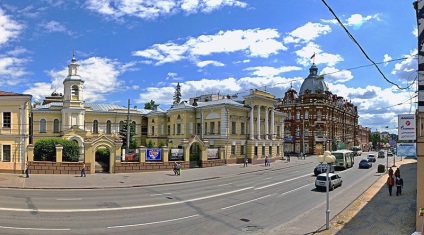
313 83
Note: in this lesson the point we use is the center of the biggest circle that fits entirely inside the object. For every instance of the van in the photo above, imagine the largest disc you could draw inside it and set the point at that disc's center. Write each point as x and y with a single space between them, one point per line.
381 154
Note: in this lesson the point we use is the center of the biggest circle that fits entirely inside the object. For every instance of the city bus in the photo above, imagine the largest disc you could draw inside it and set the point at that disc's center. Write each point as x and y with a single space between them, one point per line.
344 158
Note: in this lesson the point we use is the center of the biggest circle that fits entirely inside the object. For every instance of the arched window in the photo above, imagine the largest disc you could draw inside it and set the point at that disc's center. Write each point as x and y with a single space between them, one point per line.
319 115
43 125
56 128
306 114
95 127
108 127
298 115
75 92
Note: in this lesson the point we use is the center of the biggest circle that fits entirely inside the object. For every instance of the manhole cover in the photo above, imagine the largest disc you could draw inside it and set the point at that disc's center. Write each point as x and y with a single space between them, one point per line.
252 228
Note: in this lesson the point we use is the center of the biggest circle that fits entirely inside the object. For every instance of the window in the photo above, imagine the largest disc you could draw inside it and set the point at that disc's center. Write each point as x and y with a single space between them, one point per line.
243 128
212 128
278 150
121 126
263 150
43 126
153 130
270 150
206 128
319 115
233 149
233 128
198 128
242 150
319 132
75 92
256 150
56 128
169 129
7 119
108 127
306 115
95 127
306 131
178 129
298 115
219 127
298 131
278 131
6 153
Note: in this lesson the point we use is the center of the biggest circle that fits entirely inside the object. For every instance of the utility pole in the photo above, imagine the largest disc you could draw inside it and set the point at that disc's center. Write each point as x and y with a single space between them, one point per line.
128 127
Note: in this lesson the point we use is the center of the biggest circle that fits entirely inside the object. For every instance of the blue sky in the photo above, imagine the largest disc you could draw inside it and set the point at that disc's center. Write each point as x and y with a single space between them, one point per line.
140 49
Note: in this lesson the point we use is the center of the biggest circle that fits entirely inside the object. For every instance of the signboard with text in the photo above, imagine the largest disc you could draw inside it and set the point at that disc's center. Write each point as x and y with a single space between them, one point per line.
153 155
406 149
406 127
176 155
213 154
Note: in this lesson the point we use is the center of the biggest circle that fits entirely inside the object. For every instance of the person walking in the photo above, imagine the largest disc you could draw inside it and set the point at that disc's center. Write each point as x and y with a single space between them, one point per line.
267 161
390 184
399 186
246 160
390 171
26 170
397 173
178 168
83 170
175 168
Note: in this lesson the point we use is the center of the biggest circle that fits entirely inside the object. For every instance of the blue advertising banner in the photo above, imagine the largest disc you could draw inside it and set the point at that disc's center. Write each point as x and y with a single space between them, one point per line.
406 149
154 155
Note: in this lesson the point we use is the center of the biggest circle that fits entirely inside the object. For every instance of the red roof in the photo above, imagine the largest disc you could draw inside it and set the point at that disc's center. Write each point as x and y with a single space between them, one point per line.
5 93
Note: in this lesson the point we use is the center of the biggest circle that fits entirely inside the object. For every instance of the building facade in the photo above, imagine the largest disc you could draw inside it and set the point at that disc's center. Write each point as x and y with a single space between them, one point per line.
318 120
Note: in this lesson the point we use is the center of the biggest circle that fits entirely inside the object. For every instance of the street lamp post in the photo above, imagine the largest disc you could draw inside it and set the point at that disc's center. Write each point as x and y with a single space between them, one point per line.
329 159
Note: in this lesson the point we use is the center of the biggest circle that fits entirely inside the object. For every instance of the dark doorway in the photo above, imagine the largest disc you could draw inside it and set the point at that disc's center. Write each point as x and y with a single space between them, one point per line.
102 160
195 153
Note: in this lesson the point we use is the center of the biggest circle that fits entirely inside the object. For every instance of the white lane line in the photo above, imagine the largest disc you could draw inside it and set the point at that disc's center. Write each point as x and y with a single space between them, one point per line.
224 184
123 208
37 229
268 178
159 194
166 193
224 208
157 222
270 185
68 199
294 190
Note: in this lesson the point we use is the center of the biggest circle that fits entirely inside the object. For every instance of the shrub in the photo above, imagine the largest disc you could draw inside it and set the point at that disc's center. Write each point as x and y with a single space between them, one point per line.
45 150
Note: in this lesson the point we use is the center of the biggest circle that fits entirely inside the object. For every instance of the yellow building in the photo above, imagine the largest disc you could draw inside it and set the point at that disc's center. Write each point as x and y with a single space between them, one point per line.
14 130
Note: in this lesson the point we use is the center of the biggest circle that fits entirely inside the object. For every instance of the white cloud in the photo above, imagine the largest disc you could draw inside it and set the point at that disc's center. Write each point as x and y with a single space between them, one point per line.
335 75
148 9
356 20
100 75
54 26
254 42
12 70
266 71
307 33
415 31
386 59
406 70
10 29
205 63
304 55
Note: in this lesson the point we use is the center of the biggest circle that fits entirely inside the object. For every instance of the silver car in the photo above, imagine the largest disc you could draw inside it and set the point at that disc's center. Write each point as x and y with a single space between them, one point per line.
371 158
334 179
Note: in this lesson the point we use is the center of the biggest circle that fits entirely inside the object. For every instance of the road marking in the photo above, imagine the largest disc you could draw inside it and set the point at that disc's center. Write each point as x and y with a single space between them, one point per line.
159 194
270 185
268 178
157 222
68 199
293 190
224 208
37 229
123 208
224 184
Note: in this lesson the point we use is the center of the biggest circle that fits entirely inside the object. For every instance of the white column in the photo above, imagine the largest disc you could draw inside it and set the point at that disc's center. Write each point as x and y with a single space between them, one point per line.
251 122
272 124
266 123
258 123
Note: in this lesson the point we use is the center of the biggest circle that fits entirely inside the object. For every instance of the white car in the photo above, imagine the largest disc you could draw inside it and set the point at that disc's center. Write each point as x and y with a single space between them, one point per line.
371 158
334 179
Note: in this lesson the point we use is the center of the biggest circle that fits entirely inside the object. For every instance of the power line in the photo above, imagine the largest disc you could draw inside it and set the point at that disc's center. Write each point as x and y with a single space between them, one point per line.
362 50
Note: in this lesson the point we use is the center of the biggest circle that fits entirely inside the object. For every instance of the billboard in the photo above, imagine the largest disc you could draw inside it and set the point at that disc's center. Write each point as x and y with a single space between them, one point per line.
406 149
406 127
176 155
213 154
153 155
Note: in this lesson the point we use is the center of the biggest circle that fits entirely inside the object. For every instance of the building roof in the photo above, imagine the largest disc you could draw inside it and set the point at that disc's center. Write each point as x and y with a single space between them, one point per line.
7 93
94 107
313 82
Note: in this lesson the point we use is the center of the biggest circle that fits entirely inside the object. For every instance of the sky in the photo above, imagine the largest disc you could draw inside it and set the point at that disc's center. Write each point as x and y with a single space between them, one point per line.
141 49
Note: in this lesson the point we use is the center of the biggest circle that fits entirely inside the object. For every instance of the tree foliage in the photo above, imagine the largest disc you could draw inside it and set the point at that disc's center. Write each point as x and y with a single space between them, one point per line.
123 134
151 105
45 150
177 95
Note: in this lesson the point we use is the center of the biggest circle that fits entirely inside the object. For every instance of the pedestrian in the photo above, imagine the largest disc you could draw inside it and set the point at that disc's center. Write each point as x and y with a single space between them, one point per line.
178 168
397 173
288 158
399 186
175 168
83 170
267 161
390 184
26 170
390 171
246 160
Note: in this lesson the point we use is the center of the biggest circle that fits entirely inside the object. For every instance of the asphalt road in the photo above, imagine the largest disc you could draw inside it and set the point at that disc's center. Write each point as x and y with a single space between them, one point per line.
276 201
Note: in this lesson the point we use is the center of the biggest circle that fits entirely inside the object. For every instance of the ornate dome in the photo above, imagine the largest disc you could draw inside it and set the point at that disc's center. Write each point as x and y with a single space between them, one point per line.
313 84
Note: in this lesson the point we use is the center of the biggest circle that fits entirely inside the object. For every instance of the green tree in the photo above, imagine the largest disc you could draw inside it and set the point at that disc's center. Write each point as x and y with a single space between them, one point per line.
123 134
151 105
374 138
177 95
45 150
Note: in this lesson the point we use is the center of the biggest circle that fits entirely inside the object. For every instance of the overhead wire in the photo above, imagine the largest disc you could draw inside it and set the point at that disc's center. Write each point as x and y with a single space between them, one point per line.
360 47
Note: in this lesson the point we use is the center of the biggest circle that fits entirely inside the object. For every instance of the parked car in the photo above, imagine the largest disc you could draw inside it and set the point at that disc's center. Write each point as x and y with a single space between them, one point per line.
382 154
334 181
364 163
322 168
389 154
371 158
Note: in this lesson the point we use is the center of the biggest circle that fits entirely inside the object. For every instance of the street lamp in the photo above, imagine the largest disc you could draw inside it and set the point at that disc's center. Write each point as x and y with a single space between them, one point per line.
329 159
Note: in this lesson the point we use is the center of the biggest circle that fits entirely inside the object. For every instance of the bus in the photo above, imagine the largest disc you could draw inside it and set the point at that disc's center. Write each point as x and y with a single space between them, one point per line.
344 158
